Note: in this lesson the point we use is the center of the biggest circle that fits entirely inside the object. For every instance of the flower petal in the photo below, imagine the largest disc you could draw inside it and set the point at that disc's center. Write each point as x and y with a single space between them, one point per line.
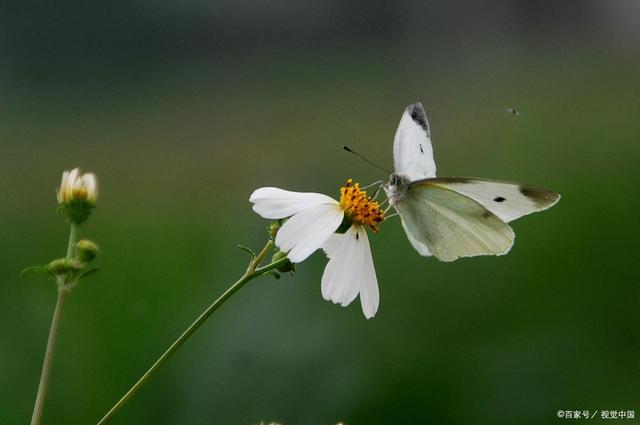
62 191
274 203
350 271
71 179
369 292
89 181
308 230
338 281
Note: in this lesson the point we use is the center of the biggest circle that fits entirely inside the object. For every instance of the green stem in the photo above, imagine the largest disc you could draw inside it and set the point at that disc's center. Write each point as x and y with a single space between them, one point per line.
38 408
73 239
252 272
48 357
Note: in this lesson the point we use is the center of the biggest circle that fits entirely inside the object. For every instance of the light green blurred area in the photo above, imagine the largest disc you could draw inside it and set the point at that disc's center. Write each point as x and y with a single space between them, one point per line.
553 325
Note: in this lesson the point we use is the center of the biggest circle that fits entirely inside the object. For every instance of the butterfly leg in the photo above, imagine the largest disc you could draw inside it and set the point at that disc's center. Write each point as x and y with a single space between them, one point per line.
386 217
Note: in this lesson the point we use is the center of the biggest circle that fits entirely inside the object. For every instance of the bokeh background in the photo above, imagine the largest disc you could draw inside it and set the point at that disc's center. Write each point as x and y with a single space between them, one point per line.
183 108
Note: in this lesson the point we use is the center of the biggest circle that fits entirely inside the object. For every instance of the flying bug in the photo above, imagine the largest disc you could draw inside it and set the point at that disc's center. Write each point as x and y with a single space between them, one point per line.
513 111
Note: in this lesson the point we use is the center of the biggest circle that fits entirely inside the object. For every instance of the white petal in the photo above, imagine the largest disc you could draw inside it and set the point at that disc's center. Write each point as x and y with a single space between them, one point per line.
62 191
339 284
71 179
369 293
65 179
308 230
89 181
350 271
332 244
274 203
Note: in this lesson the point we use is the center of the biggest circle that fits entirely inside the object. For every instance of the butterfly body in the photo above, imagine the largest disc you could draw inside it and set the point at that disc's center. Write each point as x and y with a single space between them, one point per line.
396 188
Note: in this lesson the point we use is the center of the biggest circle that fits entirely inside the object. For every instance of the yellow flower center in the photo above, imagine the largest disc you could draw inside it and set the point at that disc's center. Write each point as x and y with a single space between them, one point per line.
79 193
358 208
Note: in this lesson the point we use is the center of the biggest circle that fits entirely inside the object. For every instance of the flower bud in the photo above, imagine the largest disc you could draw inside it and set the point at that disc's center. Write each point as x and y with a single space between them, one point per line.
77 195
273 228
285 267
86 250
62 266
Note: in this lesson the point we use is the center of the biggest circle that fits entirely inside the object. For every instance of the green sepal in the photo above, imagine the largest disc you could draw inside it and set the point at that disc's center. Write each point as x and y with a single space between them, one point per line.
77 210
287 266
344 226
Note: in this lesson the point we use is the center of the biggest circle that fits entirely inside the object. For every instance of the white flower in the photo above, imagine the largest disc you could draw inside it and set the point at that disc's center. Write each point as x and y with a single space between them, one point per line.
77 187
313 220
77 195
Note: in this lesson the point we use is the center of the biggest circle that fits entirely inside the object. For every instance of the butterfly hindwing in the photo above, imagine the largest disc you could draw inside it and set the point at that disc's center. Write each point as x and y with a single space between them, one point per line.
412 151
451 225
507 200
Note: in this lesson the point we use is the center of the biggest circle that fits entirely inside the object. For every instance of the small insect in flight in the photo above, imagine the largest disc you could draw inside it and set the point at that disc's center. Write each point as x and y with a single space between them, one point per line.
513 111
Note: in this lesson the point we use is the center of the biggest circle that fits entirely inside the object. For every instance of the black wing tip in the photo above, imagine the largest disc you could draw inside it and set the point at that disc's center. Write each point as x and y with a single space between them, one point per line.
418 115
543 198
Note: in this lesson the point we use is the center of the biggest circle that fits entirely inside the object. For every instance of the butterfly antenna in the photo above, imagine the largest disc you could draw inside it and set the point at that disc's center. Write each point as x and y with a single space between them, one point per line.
348 149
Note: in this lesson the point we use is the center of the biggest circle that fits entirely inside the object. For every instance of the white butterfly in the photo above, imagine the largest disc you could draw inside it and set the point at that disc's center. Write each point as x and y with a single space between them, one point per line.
453 217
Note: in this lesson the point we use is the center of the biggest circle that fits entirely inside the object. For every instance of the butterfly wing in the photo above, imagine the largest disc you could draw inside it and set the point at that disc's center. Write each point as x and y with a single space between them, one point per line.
412 152
451 225
415 243
507 200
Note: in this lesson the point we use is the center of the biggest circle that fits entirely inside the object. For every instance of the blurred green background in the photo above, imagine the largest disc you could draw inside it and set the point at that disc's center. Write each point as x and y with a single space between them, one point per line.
182 109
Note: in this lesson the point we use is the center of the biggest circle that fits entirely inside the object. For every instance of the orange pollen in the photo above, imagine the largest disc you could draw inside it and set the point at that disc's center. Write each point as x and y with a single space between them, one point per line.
358 208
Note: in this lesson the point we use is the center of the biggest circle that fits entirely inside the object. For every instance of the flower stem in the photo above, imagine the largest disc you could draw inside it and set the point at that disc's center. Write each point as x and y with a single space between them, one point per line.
254 270
38 408
73 238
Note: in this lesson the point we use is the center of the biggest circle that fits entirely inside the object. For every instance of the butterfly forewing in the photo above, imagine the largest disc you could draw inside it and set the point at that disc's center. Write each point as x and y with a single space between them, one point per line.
451 225
508 200
412 152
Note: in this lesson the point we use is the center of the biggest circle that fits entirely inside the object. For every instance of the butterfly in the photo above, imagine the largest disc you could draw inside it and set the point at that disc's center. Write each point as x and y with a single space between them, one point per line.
453 217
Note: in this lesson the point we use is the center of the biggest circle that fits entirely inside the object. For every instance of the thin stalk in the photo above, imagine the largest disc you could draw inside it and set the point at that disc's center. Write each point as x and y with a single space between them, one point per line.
73 239
252 272
38 407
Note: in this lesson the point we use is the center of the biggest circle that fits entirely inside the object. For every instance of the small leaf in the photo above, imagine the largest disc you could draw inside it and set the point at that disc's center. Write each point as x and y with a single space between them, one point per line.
87 273
248 250
33 270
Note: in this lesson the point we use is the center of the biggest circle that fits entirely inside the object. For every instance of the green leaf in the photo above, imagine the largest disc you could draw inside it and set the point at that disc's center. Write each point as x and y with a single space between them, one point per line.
248 250
87 273
33 270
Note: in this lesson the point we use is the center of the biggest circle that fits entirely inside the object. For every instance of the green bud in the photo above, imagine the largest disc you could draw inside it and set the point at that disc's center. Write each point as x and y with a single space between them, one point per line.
285 267
273 228
86 250
63 266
